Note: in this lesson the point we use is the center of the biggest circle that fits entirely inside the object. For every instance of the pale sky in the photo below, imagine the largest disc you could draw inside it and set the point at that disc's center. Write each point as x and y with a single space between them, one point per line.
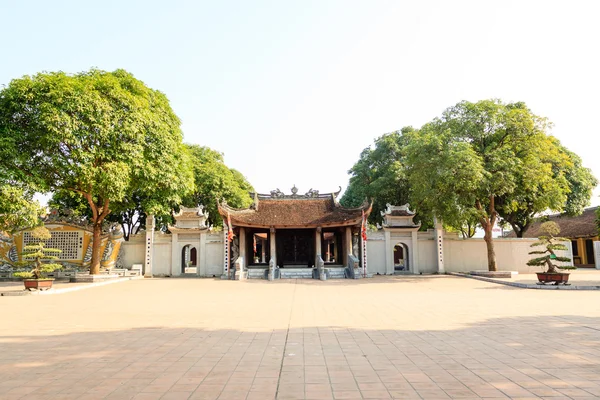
292 91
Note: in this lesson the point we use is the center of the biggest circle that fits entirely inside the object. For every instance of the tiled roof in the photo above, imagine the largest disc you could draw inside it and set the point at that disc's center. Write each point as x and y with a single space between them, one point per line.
188 214
401 213
583 225
295 213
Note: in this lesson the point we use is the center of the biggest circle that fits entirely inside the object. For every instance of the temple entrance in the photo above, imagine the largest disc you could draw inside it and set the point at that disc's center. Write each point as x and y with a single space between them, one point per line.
401 257
331 246
189 259
257 246
295 247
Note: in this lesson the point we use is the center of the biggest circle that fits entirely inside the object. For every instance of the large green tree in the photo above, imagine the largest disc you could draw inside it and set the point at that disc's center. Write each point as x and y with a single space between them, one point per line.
560 184
102 135
18 210
476 155
379 174
214 181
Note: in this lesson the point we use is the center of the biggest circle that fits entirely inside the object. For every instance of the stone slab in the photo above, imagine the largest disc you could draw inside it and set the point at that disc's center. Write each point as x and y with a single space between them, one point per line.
67 287
494 274
94 278
571 286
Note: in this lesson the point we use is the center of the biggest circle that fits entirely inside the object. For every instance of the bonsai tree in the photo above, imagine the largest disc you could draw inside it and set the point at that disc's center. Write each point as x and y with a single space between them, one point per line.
549 239
40 255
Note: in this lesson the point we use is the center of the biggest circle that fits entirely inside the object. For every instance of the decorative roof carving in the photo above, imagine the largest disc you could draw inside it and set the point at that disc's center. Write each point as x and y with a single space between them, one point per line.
312 193
279 195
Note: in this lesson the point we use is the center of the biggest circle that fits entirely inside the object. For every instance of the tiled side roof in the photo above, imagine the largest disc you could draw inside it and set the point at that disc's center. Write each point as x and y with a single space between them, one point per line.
294 213
401 213
189 214
583 225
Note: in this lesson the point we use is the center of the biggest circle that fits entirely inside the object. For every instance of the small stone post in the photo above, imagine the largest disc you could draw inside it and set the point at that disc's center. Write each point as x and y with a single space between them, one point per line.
150 225
272 268
439 240
226 251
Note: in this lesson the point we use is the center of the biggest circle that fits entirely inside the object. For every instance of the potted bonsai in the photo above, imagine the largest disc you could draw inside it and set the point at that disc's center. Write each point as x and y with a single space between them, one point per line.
547 258
37 256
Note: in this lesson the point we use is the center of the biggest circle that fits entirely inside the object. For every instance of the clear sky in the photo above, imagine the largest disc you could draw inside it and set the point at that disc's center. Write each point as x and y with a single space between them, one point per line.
292 91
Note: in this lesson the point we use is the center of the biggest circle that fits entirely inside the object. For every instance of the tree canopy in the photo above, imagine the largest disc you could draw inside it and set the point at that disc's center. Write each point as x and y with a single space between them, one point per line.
379 174
101 135
481 159
555 181
18 210
214 181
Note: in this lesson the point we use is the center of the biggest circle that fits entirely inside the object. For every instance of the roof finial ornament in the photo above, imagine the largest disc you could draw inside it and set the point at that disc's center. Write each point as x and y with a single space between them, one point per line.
276 193
312 193
294 190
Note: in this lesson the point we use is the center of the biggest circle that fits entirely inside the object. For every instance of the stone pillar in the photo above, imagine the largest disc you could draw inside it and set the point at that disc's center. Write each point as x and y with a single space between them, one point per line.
317 245
439 240
150 225
347 244
175 255
241 264
363 261
273 246
226 251
201 256
415 252
263 251
389 254
596 254
327 254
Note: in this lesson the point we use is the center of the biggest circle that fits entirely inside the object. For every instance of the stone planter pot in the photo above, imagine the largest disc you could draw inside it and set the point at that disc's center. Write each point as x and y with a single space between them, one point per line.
557 278
38 284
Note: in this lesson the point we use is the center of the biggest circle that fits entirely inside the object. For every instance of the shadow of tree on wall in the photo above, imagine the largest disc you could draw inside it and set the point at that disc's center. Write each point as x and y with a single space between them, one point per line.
504 357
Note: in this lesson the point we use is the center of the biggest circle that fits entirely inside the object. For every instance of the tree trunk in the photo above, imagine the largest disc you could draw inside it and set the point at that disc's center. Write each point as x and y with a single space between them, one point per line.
517 229
491 253
96 255
487 223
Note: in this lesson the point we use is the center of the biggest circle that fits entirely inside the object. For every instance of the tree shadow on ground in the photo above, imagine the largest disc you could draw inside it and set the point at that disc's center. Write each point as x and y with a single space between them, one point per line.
504 358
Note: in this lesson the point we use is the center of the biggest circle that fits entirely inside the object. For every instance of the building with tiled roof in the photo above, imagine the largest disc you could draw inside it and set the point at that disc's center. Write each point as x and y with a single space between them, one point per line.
582 230
295 230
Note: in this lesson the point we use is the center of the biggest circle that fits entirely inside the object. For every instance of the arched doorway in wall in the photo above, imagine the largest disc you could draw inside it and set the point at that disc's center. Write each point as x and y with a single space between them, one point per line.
193 257
189 257
401 260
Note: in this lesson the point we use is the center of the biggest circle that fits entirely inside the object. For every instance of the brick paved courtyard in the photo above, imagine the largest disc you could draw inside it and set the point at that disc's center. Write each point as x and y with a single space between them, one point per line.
434 337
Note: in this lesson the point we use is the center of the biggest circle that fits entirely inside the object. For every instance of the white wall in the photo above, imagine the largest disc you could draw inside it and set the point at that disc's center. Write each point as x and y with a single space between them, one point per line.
161 259
462 255
375 253
427 256
132 251
214 255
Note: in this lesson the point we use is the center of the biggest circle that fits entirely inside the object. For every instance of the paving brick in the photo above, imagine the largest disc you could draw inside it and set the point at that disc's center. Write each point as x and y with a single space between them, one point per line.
383 338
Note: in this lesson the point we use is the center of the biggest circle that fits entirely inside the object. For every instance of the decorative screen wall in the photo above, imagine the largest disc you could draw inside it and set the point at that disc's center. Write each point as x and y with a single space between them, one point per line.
71 243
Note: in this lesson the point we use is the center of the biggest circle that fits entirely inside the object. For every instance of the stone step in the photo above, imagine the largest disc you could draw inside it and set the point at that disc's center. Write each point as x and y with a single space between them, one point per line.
336 273
296 273
256 273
